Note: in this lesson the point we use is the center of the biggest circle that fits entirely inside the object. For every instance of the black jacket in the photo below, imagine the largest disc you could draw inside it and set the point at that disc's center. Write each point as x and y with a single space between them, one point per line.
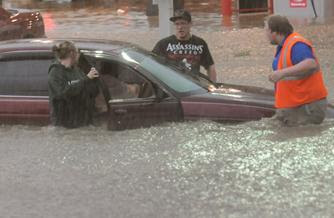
71 96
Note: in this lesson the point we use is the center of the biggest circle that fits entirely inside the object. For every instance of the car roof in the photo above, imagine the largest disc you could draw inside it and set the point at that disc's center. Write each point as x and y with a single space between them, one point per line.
45 44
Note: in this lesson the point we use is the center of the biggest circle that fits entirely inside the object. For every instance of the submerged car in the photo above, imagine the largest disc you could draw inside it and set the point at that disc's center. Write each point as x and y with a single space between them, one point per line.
15 24
165 91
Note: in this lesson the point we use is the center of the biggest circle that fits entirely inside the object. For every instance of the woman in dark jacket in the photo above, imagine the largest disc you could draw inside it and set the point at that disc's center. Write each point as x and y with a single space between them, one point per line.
71 92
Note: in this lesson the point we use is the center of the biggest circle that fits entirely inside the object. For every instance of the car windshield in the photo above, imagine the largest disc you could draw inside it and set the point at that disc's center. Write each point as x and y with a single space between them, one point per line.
174 76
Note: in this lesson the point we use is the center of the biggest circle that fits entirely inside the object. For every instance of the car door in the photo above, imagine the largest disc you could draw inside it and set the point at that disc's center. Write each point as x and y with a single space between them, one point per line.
142 112
151 105
23 87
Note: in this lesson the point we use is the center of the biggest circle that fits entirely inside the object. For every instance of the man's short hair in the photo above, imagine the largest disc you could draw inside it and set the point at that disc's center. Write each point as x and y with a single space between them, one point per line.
181 15
279 24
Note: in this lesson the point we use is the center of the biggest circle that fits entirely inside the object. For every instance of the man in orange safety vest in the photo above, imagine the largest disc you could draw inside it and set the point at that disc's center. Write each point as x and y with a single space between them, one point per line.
300 92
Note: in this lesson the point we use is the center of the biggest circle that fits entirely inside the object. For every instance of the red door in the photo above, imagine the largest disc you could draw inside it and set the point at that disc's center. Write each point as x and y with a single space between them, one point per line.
24 109
23 87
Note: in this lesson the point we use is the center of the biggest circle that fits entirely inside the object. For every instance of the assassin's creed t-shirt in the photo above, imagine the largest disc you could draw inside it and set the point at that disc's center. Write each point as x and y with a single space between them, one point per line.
193 52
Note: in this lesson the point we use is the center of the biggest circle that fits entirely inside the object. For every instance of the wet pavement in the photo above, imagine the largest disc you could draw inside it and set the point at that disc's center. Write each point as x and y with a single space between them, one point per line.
193 169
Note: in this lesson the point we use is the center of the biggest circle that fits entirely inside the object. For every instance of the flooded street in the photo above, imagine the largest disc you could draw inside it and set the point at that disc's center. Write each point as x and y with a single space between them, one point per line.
191 169
256 169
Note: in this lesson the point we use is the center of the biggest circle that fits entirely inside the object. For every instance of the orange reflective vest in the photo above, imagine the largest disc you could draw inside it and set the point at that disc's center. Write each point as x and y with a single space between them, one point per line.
293 91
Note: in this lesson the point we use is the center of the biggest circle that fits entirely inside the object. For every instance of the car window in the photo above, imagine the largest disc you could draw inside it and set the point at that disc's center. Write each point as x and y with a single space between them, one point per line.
166 74
119 81
24 77
122 82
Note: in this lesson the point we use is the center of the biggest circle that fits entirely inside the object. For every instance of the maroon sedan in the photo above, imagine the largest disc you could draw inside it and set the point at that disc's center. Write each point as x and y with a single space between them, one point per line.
137 89
16 25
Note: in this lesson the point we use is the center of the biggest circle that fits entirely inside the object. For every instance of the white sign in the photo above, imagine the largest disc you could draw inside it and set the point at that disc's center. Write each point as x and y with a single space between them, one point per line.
298 3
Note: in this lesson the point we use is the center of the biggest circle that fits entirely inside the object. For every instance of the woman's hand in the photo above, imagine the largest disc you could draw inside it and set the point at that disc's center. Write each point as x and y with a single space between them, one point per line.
93 73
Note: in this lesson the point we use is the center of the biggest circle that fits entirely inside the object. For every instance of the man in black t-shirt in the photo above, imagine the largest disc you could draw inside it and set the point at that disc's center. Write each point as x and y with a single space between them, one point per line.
186 47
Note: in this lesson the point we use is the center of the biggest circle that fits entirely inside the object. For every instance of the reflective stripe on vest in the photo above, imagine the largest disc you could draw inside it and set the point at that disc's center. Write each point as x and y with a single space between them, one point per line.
296 91
285 58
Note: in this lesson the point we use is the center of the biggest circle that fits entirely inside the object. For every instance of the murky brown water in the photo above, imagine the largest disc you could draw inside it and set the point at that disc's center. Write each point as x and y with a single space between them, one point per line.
195 169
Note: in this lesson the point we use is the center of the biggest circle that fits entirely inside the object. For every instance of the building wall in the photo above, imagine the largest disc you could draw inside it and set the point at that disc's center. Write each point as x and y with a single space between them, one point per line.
329 8
324 8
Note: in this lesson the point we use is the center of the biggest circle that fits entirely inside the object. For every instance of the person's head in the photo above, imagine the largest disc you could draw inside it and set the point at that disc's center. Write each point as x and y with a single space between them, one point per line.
277 27
182 23
66 53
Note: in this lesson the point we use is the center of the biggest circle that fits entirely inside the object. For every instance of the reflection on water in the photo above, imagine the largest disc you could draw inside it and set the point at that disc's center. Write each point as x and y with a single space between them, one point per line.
122 16
256 169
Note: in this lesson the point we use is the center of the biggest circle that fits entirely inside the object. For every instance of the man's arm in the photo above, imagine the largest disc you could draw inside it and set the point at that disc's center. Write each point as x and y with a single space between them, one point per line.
208 63
301 70
157 48
211 71
304 64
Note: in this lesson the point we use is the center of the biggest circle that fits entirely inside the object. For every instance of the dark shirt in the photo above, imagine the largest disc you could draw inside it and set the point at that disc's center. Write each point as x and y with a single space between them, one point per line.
194 52
71 96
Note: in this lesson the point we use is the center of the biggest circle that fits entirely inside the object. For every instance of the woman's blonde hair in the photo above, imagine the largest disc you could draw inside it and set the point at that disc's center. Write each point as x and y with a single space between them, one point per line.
64 49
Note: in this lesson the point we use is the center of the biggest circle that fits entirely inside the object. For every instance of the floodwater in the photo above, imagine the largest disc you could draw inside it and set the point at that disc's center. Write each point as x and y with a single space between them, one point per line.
198 169
190 169
124 16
